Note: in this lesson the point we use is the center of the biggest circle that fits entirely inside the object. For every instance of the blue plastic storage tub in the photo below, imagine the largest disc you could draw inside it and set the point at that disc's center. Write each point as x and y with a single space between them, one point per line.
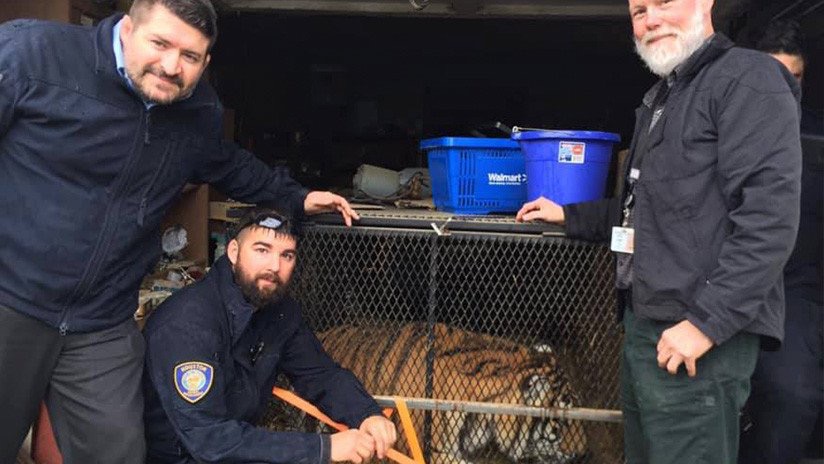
476 175
566 166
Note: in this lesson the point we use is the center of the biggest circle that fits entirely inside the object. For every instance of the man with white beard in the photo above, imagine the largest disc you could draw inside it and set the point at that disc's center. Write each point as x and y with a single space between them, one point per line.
701 232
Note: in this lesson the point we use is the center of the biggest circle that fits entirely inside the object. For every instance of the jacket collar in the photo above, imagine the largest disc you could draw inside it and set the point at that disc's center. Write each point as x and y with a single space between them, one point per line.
106 65
104 62
715 46
238 311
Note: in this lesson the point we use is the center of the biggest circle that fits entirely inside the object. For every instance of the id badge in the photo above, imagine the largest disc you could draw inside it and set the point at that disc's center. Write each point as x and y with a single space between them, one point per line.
623 240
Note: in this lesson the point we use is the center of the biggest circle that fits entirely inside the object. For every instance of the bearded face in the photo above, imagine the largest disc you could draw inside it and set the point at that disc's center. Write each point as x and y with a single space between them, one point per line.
262 262
665 36
164 56
156 86
260 288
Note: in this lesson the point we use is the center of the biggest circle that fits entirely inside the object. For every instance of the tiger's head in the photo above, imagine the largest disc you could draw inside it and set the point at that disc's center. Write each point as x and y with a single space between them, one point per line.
529 439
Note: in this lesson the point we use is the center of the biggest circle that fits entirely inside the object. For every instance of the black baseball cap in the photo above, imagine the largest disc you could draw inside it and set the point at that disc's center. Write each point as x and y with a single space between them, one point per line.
262 217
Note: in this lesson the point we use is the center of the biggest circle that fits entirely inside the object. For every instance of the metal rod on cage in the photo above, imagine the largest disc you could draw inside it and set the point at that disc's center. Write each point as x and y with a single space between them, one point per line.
426 404
432 307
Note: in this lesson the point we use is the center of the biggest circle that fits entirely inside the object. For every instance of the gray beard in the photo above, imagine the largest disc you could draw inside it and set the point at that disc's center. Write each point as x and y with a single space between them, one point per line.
661 62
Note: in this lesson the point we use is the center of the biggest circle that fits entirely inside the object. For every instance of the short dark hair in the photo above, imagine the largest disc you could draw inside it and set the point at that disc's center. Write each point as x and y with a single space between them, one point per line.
782 36
199 14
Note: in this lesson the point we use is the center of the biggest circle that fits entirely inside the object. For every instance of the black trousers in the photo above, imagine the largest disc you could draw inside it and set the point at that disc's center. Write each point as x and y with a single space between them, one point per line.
91 383
787 390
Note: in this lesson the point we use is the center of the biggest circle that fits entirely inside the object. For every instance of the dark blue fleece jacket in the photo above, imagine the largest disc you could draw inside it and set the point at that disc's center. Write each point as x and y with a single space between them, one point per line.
87 173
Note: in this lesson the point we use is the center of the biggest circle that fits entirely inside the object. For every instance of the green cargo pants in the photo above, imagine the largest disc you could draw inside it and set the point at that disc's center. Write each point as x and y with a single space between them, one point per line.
675 419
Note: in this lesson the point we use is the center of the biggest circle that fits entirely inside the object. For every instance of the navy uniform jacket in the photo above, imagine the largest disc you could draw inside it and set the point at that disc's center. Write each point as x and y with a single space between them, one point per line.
211 363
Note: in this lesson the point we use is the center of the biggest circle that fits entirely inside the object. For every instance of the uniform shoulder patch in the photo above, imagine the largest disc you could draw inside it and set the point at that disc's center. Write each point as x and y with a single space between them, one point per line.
193 380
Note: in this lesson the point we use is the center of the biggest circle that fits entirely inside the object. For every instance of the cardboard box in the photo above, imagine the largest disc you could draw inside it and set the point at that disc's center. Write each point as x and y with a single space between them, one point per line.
227 211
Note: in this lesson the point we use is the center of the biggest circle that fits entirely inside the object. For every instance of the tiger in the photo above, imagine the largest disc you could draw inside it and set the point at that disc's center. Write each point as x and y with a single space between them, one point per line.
467 366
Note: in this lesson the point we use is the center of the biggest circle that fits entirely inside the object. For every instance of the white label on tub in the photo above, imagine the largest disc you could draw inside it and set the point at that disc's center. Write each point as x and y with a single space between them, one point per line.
572 152
496 178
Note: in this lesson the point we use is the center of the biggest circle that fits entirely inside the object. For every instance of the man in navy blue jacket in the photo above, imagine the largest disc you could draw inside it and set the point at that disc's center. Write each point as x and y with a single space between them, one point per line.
701 232
787 397
100 128
215 348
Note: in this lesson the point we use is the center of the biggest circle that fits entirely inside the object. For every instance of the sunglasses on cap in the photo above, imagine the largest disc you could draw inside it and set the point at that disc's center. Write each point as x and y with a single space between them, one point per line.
268 219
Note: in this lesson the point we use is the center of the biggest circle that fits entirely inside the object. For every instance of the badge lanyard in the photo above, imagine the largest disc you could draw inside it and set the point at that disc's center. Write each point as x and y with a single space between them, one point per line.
638 156
623 237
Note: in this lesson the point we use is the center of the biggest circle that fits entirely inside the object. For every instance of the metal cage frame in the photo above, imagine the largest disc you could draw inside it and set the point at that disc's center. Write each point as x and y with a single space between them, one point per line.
484 278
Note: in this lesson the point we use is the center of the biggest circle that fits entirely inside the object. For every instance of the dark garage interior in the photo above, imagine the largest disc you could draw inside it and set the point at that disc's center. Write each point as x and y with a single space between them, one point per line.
324 87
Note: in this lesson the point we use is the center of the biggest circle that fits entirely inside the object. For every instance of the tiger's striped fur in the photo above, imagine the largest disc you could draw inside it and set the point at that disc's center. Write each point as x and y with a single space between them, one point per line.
471 367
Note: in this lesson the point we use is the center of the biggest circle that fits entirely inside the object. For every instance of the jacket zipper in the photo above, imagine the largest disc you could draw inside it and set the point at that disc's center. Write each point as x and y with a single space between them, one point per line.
103 242
141 213
146 139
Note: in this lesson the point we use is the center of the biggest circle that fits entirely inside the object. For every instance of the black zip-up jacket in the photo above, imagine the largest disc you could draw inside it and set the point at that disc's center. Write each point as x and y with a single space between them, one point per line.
87 172
717 203
210 323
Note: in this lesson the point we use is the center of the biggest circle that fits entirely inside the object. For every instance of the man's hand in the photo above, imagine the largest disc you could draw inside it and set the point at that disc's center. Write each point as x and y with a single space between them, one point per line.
682 343
352 445
382 430
326 202
541 209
